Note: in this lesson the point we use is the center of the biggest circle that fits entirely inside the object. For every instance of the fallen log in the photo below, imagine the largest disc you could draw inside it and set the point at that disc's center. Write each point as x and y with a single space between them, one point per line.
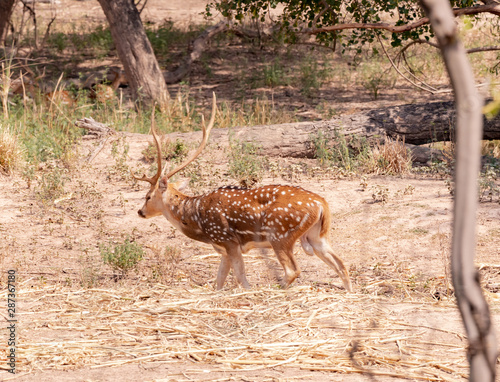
417 123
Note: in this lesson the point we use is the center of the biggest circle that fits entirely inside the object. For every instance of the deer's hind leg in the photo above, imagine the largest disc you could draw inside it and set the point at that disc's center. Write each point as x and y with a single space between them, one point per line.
284 252
321 248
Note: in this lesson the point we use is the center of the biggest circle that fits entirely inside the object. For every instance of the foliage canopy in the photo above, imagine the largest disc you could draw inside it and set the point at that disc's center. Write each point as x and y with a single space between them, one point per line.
351 22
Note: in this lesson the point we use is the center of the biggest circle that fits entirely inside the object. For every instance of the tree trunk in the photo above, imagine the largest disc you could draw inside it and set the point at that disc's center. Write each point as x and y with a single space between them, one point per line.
135 51
482 350
6 8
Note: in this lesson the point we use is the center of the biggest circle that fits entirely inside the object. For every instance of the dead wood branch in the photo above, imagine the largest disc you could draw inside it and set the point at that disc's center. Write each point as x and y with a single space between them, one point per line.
198 47
94 128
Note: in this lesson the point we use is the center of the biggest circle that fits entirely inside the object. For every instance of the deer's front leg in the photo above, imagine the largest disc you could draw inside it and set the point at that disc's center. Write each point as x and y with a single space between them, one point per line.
224 267
231 258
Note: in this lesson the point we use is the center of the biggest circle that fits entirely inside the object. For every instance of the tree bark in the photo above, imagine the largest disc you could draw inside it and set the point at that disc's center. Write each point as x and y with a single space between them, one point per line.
482 350
135 51
6 8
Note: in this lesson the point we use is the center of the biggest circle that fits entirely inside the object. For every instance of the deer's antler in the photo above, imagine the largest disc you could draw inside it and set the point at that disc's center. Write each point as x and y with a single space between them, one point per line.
206 132
155 178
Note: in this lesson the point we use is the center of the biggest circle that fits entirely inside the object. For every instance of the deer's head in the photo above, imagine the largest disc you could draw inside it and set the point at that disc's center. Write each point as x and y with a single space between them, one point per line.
162 192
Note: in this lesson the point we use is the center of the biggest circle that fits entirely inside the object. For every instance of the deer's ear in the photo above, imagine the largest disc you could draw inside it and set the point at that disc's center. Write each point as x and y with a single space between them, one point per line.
181 184
163 183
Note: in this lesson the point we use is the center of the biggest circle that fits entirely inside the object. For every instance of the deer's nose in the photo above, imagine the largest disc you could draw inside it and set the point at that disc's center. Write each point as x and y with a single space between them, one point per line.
141 214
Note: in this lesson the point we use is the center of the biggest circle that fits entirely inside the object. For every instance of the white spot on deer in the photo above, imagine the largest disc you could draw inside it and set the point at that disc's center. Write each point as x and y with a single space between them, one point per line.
299 203
304 220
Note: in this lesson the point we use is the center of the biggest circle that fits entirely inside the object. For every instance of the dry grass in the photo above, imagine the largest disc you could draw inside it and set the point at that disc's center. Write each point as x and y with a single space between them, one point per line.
392 157
11 151
491 148
306 327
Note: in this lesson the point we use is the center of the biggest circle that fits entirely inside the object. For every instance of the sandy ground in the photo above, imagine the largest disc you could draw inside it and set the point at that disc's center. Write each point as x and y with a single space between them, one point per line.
396 253
77 321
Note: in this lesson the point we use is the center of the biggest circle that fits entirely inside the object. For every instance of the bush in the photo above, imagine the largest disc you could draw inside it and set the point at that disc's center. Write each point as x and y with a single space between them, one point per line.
122 257
169 151
392 157
245 163
51 186
336 150
11 151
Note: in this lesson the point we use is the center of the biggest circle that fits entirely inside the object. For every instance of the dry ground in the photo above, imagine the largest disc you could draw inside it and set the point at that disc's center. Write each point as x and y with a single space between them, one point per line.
165 322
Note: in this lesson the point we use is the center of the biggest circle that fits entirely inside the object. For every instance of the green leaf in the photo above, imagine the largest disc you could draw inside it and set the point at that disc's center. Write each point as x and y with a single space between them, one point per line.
492 109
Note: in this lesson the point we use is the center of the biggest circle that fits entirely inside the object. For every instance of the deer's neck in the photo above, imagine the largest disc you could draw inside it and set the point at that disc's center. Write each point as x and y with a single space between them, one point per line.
183 212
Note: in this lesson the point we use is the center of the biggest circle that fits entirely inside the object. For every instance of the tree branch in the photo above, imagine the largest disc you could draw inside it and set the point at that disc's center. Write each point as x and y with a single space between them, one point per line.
468 51
199 45
427 89
493 8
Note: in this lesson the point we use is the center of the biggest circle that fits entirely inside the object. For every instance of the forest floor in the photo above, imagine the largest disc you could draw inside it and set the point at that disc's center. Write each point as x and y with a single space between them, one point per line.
163 321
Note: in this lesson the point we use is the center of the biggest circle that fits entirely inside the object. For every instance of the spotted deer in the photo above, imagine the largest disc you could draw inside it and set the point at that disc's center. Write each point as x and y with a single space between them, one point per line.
235 220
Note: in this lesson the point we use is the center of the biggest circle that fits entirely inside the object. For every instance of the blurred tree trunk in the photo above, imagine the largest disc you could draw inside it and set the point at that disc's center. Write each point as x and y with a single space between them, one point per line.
136 54
482 350
6 8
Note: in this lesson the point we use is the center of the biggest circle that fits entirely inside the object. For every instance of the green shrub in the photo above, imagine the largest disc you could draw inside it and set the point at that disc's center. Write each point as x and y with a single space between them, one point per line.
349 155
51 185
169 151
122 257
245 163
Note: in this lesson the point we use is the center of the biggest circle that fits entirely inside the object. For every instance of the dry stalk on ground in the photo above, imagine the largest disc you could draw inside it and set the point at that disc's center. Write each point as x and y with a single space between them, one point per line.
306 327
392 157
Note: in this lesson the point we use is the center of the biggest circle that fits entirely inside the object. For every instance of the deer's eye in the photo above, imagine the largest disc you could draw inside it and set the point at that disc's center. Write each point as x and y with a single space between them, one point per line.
148 198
